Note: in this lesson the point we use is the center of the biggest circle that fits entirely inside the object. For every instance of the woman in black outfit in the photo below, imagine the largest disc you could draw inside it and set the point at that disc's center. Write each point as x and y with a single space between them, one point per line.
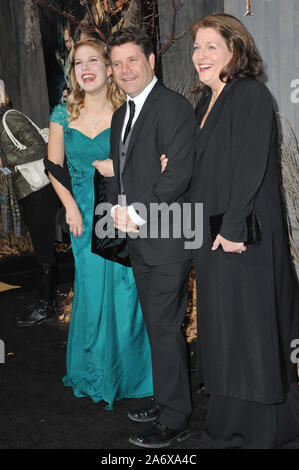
38 208
247 296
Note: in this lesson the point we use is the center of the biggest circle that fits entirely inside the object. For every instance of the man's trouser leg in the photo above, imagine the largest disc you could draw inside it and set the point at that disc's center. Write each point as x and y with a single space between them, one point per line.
163 294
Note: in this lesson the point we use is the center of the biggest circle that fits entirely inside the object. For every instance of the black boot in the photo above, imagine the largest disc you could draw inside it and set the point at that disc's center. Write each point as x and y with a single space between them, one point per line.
45 308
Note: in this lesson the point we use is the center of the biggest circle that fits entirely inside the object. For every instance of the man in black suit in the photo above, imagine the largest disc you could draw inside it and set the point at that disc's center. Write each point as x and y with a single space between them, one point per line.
154 121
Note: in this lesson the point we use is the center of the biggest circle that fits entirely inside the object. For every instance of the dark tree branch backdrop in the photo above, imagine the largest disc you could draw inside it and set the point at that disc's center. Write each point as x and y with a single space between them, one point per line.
178 70
22 64
28 64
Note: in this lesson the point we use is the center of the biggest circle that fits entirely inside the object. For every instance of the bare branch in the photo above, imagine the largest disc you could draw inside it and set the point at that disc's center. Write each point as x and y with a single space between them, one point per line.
72 18
171 38
248 11
180 4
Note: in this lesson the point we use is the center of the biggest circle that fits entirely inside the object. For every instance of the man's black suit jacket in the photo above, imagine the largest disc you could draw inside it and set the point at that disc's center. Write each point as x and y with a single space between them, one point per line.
166 124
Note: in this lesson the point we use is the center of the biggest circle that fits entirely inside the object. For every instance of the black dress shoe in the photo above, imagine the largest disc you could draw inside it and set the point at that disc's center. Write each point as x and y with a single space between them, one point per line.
150 411
158 435
45 311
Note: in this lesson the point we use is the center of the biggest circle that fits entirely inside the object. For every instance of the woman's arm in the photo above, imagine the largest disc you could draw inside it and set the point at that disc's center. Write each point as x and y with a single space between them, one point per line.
56 155
251 128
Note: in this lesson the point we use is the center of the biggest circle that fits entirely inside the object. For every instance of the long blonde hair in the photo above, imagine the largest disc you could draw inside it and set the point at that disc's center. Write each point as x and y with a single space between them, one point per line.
75 100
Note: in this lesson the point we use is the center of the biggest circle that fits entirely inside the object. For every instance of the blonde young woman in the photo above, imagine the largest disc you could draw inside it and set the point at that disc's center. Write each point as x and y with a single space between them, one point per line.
108 355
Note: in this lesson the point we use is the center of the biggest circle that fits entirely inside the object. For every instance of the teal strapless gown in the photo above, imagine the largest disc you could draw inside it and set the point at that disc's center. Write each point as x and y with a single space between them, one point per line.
108 353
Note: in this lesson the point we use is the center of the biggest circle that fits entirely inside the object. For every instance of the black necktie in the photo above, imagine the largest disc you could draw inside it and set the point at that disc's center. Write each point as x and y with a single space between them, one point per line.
129 124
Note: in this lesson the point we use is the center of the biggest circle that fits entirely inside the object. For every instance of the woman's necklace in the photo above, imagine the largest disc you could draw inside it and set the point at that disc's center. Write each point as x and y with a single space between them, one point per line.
212 102
95 122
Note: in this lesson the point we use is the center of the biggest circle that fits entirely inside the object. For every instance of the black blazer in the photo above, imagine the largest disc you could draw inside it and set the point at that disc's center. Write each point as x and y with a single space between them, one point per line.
236 166
166 124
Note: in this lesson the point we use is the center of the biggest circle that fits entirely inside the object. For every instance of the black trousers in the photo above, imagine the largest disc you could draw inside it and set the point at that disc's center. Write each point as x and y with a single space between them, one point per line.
39 210
163 295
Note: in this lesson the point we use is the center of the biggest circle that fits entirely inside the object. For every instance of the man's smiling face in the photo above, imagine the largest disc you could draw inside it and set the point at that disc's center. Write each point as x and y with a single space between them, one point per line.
131 69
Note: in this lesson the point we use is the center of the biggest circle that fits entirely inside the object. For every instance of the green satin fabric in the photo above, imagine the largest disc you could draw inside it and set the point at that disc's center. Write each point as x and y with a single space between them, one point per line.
108 353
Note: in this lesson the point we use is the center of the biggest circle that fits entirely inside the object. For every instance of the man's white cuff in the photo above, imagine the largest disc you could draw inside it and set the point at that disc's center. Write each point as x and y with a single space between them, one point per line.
135 217
113 208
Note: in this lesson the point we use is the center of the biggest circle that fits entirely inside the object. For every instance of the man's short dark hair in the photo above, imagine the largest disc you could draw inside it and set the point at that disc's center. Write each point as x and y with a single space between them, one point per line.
130 34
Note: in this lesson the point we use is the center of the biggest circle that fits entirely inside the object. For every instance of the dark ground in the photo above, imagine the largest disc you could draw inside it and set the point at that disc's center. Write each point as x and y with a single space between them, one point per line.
36 410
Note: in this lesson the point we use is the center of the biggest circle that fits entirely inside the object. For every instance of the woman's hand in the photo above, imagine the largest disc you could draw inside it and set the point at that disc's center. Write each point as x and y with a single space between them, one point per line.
105 167
228 246
74 220
164 162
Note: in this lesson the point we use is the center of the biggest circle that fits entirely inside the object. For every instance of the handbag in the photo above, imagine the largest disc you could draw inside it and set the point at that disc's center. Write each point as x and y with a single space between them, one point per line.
254 233
33 172
114 247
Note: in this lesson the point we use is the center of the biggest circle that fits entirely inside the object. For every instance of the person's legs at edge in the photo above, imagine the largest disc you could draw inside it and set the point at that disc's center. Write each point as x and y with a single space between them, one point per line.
39 210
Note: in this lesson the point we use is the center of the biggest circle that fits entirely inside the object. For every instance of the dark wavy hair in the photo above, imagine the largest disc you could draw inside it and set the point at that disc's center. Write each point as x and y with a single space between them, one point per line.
130 34
246 61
